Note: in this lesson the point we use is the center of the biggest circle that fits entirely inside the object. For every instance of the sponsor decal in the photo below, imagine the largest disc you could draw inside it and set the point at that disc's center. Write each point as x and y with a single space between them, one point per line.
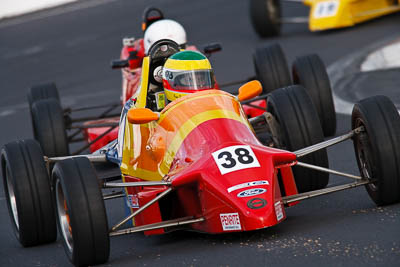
256 203
278 211
234 158
132 201
252 192
248 184
230 221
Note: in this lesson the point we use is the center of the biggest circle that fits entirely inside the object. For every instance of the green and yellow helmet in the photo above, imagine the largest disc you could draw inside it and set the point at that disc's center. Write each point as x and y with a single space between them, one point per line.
187 72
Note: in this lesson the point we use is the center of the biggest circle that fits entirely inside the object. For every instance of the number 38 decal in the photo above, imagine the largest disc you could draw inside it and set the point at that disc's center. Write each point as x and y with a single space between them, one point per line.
234 158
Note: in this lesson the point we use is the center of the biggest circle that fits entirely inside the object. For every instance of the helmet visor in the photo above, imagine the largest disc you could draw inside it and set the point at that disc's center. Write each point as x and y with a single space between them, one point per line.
188 80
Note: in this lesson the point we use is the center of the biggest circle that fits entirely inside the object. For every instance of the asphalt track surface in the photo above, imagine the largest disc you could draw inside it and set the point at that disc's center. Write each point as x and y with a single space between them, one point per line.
73 46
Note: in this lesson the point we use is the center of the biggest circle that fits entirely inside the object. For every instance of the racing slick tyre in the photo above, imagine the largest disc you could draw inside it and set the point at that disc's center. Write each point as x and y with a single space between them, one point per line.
80 212
43 91
271 68
377 147
39 92
299 128
28 193
49 127
265 16
310 72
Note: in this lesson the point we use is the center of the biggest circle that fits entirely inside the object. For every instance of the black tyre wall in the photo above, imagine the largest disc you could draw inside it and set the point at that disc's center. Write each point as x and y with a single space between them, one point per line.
88 219
310 72
381 120
28 175
264 22
43 91
271 67
300 127
49 126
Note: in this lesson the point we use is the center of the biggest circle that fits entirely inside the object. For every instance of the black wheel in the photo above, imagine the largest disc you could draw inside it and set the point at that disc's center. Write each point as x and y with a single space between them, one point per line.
40 92
299 128
310 72
377 148
28 193
271 68
49 127
80 212
265 16
43 91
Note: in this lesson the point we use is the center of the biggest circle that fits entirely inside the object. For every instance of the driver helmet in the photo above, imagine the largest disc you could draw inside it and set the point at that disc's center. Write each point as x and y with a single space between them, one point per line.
187 72
164 29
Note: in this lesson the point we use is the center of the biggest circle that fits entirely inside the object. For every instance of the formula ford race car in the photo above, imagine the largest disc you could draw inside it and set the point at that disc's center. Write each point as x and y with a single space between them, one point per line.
324 14
197 165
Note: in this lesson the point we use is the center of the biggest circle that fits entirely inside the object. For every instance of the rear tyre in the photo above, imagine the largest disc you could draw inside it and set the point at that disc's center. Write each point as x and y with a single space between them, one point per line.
265 16
80 212
271 68
40 92
310 72
49 127
28 193
299 128
377 148
43 91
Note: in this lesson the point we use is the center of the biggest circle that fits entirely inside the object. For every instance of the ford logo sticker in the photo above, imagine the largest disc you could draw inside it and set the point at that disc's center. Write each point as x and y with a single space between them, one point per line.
252 192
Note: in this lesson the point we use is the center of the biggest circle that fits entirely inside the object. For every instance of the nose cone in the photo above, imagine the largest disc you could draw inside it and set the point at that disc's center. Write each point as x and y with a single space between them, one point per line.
243 200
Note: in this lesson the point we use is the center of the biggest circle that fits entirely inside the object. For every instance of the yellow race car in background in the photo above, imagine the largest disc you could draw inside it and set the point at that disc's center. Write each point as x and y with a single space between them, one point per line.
324 14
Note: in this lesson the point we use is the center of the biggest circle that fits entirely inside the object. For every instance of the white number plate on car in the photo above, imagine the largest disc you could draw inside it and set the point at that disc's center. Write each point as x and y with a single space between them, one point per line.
234 158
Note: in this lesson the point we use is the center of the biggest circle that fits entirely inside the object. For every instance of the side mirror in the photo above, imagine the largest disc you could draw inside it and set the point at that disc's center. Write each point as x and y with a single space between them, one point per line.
249 90
141 115
119 64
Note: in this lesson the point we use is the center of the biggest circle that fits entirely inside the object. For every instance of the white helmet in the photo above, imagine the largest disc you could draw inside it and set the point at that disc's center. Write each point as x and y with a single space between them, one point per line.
164 29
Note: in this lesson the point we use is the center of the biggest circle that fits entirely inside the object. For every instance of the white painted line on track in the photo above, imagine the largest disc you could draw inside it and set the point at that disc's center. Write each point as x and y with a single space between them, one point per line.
12 8
350 64
73 6
335 73
7 112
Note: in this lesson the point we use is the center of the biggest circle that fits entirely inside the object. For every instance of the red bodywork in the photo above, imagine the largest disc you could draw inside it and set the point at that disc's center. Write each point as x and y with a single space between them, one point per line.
252 112
201 189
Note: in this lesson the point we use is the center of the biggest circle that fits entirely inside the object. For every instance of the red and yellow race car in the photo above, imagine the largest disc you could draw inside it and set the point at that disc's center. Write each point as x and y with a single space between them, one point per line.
324 14
195 164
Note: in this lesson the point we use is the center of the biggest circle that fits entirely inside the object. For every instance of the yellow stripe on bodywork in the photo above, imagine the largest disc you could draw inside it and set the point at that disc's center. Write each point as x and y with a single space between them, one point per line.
144 83
176 64
188 127
181 101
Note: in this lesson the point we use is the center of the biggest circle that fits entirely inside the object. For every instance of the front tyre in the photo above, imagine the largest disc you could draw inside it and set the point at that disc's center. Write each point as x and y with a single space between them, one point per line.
80 212
299 127
377 147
